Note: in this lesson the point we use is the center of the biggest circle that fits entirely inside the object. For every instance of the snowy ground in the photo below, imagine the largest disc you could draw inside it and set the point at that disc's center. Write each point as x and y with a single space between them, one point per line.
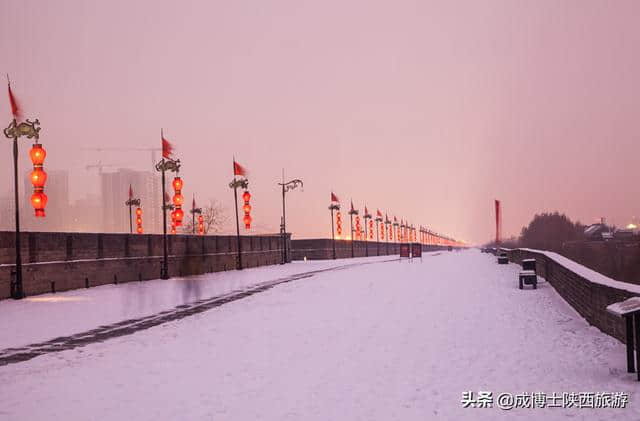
383 341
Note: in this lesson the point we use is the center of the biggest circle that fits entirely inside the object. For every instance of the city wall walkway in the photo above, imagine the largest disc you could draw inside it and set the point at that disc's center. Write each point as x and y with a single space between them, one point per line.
381 341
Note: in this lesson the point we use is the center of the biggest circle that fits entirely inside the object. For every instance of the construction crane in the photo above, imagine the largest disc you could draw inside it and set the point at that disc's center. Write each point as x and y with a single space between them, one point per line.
99 165
152 150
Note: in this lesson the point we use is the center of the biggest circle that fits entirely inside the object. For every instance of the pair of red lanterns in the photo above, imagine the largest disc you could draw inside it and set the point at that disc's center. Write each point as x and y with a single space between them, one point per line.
38 179
177 215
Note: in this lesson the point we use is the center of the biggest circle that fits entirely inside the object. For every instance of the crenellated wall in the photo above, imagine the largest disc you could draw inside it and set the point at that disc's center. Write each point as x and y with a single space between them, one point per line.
322 248
75 260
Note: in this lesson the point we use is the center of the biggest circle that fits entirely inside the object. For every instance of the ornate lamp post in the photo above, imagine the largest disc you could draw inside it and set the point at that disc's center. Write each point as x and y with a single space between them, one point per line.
243 183
334 206
352 212
16 130
193 212
387 224
366 216
166 164
395 229
289 185
378 222
131 203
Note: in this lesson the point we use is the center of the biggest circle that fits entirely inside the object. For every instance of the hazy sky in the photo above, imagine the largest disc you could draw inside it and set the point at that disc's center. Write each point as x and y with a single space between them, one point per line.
428 110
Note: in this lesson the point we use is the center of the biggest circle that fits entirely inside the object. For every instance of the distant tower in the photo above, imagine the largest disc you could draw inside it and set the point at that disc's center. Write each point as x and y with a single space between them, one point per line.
498 223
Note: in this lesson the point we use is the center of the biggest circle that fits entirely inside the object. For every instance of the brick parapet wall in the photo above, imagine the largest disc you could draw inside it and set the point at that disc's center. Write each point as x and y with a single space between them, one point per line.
588 298
322 248
73 260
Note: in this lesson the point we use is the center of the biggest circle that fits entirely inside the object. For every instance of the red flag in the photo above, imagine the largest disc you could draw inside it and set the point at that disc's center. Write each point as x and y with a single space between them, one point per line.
130 192
378 213
193 204
352 206
366 211
395 219
239 169
334 198
167 147
15 109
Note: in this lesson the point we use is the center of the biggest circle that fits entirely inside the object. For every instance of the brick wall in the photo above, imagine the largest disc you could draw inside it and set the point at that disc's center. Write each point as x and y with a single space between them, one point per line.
73 260
588 298
322 248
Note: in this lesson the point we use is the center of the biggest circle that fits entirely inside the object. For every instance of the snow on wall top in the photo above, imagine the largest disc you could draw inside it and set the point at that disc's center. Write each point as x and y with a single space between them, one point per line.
588 274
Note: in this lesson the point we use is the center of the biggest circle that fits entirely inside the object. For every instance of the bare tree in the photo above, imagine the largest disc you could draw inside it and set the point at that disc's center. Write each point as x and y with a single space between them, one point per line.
214 219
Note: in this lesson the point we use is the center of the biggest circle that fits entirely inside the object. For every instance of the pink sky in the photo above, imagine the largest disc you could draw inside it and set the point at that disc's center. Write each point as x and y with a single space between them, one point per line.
427 110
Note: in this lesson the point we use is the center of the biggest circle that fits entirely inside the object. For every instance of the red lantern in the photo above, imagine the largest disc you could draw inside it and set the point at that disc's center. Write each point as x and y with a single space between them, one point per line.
38 179
139 220
246 196
200 225
339 224
179 215
177 184
178 200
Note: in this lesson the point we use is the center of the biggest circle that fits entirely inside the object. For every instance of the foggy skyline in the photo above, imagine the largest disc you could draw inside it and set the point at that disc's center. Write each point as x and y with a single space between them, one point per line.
426 110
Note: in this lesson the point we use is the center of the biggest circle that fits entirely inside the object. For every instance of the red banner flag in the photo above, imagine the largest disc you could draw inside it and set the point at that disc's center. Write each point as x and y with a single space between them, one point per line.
334 198
239 169
366 211
352 206
130 192
378 213
193 203
15 109
167 147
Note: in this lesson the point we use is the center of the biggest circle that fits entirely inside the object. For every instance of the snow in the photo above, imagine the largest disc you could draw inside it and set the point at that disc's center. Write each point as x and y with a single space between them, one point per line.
70 312
630 305
385 341
586 273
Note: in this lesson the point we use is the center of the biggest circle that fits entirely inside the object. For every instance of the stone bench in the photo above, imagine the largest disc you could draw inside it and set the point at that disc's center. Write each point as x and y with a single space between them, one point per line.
528 277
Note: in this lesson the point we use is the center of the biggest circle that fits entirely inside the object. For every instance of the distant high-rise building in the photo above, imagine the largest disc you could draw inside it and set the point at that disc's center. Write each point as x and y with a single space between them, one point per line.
115 190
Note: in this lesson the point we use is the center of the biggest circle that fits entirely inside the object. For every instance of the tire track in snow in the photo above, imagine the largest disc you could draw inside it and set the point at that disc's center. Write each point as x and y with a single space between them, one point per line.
130 326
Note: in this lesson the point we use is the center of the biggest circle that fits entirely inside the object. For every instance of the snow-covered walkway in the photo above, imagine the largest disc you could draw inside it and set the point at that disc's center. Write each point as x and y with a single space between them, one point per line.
383 341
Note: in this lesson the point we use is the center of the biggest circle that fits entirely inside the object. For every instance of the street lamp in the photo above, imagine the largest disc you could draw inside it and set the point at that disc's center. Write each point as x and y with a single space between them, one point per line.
334 206
366 216
131 203
289 185
387 224
15 130
239 170
378 222
193 212
352 212
166 164
395 229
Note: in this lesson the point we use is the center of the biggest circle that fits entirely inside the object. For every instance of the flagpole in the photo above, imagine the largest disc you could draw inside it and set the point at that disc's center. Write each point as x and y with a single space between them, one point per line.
17 290
235 196
377 236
